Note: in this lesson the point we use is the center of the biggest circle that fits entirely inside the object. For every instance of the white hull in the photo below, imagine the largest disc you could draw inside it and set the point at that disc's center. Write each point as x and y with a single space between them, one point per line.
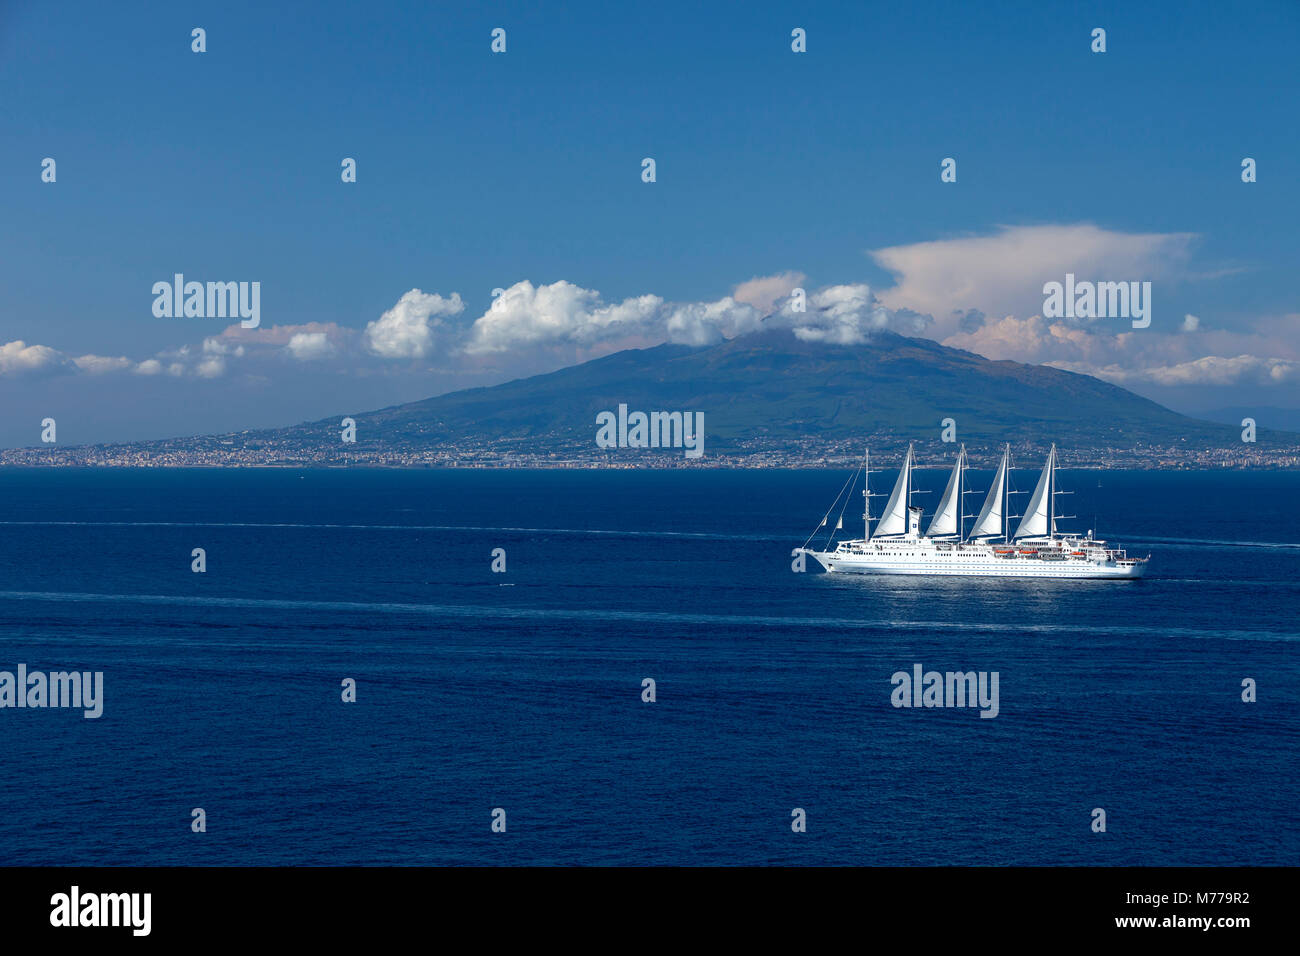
925 562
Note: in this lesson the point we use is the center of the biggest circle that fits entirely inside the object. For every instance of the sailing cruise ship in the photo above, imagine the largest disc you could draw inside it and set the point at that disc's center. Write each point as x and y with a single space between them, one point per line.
990 548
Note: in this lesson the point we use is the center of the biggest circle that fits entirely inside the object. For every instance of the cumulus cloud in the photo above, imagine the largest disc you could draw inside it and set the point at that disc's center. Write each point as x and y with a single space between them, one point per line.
277 336
960 282
763 292
1208 370
1035 340
407 329
564 315
19 358
307 342
213 357
100 364
1128 357
211 366
703 323
560 312
844 315
309 346
208 360
549 324
946 290
211 363
1003 274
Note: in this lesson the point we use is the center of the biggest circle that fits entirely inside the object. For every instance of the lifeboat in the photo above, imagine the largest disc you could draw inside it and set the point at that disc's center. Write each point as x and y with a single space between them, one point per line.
1077 554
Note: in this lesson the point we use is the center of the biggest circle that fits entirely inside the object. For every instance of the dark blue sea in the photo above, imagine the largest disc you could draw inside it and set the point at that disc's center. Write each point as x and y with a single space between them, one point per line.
522 690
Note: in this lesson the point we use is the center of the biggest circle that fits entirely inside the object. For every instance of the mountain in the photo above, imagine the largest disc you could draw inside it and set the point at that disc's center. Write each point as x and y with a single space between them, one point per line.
772 386
768 398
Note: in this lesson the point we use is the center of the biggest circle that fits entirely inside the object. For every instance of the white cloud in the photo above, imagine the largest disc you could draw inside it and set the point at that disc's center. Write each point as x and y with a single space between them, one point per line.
213 366
763 292
99 364
406 330
1003 274
308 346
206 360
703 323
530 328
1035 340
558 313
564 315
1127 358
1209 370
276 336
844 315
18 358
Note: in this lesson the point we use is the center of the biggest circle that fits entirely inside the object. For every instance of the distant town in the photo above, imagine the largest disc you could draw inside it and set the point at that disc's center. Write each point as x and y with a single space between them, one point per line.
264 449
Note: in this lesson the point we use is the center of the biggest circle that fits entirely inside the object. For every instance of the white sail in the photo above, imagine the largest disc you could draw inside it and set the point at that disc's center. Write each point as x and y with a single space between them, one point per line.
989 522
1034 523
894 518
945 520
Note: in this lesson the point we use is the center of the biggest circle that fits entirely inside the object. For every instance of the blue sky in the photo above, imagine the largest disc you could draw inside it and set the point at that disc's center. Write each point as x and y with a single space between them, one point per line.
479 171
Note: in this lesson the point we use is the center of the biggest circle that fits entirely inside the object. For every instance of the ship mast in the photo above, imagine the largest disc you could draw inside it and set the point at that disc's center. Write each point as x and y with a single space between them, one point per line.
1052 515
919 491
866 496
1051 496
961 494
1006 507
